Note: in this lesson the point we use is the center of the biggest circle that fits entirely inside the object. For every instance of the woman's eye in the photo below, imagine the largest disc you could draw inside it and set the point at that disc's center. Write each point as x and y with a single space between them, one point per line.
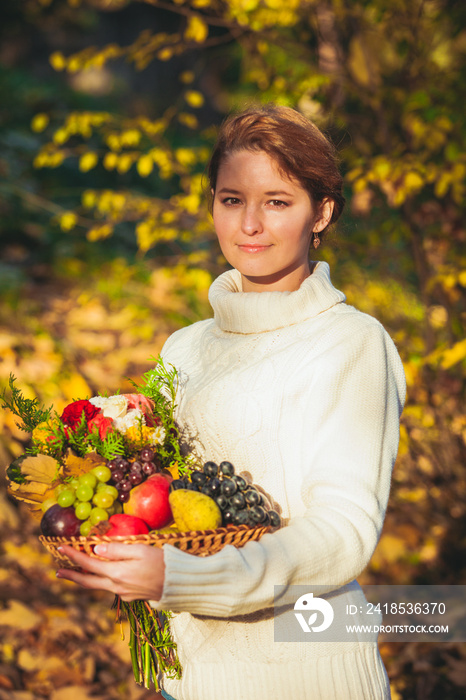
278 203
230 201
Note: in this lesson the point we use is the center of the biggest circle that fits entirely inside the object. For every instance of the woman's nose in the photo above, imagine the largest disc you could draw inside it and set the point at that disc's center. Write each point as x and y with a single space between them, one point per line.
251 221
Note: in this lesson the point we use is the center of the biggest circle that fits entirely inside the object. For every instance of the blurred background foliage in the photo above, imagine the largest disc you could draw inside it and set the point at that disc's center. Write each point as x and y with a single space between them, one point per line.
108 109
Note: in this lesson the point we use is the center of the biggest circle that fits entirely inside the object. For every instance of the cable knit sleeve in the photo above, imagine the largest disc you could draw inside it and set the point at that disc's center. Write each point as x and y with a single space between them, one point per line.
350 429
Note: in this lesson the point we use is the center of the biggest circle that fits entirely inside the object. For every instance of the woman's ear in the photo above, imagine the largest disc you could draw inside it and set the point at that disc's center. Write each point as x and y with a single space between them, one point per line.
324 216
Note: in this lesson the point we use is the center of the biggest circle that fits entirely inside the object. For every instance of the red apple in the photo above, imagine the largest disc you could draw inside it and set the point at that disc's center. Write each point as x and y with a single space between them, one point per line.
149 501
123 525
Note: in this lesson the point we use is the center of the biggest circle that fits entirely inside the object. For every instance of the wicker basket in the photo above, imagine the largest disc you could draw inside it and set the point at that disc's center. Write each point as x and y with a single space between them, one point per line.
202 543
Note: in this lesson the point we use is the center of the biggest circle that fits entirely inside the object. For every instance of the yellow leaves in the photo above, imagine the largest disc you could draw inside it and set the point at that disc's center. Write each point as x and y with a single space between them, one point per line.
413 181
68 221
197 30
113 142
412 495
74 385
173 469
75 466
390 549
89 199
124 162
404 441
148 232
40 468
33 494
57 61
40 122
189 120
19 616
144 236
88 161
98 233
165 54
438 316
145 165
130 137
163 160
185 156
191 203
187 77
194 99
363 59
453 355
110 161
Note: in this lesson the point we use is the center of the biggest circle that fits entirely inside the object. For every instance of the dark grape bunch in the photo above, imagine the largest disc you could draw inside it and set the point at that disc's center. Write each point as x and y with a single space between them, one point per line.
126 473
241 503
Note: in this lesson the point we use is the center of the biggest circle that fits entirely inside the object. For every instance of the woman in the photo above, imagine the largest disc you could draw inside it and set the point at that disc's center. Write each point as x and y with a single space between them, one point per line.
297 389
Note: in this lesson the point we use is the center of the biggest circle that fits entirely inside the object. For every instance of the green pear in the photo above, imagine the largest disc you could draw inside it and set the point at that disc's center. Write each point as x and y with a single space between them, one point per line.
194 511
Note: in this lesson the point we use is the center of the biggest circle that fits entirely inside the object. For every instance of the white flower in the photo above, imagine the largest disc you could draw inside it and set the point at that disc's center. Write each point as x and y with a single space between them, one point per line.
133 419
157 436
114 407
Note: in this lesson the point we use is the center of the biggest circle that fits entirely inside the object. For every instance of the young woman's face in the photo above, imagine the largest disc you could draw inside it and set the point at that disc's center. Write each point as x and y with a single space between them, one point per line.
265 222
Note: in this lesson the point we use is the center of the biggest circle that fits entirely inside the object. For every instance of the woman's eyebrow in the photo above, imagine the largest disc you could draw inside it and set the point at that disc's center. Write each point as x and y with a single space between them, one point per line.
229 189
274 193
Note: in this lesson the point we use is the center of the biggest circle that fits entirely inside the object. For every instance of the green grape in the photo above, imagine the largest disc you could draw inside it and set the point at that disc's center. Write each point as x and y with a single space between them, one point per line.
107 488
83 510
84 493
48 503
60 488
97 515
85 528
88 479
103 500
74 483
102 473
66 498
116 508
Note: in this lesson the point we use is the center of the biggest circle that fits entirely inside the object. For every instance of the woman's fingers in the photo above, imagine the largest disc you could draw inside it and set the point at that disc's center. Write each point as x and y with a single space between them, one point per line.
84 561
87 580
119 550
132 571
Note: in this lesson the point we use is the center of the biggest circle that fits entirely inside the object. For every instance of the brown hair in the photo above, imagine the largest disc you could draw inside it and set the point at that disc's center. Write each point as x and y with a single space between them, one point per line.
300 149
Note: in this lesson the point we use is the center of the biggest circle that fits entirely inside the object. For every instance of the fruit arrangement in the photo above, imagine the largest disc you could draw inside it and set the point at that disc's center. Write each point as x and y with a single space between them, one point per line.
131 493
237 501
79 504
113 467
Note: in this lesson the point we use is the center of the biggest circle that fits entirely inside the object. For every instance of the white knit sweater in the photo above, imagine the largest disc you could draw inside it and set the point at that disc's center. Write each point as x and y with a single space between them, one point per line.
303 393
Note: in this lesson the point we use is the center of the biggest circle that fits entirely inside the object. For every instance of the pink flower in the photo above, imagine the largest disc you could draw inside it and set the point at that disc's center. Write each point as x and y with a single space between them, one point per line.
144 404
103 424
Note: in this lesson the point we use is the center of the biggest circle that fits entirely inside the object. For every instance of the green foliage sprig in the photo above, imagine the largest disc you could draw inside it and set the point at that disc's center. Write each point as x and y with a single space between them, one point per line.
160 384
28 410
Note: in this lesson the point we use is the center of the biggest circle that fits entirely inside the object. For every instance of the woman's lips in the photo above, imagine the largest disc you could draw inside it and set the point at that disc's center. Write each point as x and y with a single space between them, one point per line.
253 248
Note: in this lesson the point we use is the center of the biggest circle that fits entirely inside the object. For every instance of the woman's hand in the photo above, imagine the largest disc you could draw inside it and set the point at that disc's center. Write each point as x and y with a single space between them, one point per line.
133 571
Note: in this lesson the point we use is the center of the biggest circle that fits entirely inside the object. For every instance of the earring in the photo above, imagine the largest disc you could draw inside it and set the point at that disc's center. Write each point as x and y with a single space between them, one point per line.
316 241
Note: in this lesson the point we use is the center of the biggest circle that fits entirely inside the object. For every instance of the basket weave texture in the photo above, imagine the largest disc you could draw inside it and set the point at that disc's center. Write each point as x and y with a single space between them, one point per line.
202 543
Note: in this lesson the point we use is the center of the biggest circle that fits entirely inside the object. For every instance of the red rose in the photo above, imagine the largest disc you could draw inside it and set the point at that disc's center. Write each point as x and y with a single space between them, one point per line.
103 424
72 414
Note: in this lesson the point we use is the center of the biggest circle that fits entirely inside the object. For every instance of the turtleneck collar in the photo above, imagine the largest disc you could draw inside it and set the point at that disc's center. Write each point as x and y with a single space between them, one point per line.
257 312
